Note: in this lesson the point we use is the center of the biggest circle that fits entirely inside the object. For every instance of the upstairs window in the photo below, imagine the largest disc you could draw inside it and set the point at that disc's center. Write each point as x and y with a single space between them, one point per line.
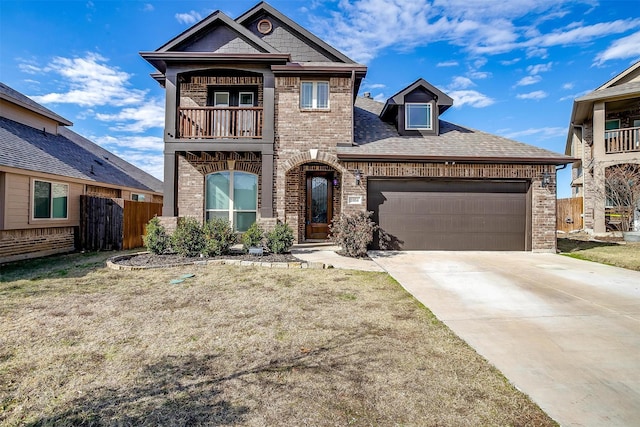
137 197
418 117
50 200
314 95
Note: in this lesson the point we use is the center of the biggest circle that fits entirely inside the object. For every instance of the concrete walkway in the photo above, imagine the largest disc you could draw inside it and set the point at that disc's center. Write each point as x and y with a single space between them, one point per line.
326 253
565 332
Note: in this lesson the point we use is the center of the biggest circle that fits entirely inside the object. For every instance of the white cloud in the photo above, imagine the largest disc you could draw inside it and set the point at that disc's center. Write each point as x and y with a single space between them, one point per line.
510 62
479 75
140 142
375 86
460 82
151 162
542 133
188 17
136 119
471 98
539 68
567 86
528 80
447 64
148 7
538 94
626 47
91 82
362 28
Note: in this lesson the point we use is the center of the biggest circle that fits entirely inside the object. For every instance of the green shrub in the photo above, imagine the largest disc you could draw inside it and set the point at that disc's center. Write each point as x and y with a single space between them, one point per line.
218 236
252 237
188 239
353 232
280 239
156 239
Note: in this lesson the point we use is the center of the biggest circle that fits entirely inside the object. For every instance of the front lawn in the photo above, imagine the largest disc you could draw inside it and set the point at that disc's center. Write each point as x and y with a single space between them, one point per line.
619 254
84 345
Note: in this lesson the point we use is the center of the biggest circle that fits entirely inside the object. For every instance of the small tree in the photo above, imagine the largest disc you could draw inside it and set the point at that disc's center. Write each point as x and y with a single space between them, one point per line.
353 232
280 239
156 239
622 189
252 238
188 239
219 237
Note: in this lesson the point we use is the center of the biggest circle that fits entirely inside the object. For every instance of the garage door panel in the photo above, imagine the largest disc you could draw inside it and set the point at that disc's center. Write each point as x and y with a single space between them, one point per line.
473 215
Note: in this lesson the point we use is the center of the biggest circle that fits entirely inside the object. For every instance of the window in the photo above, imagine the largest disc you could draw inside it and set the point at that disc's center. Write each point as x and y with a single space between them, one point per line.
137 197
314 95
418 116
221 99
232 196
50 200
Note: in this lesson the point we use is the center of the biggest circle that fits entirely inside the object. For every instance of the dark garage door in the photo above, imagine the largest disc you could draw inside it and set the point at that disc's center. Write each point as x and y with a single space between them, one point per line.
450 215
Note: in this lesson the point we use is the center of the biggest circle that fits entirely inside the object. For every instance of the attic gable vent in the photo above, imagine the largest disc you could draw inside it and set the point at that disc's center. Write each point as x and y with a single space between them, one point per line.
264 26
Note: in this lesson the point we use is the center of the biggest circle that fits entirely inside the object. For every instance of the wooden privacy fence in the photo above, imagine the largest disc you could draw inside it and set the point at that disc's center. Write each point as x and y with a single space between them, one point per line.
114 224
569 214
136 217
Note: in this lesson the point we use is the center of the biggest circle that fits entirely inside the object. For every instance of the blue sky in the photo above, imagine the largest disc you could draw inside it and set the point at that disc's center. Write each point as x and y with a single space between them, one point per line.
513 67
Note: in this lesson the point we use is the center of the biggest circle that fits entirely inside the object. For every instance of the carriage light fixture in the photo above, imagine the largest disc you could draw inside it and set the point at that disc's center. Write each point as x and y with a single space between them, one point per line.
546 179
358 176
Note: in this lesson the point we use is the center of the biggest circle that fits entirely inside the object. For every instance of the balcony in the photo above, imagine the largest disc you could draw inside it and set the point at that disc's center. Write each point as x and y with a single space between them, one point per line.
622 140
220 122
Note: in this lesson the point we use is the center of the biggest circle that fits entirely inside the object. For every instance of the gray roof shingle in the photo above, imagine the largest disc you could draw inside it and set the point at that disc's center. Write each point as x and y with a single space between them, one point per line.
68 154
375 138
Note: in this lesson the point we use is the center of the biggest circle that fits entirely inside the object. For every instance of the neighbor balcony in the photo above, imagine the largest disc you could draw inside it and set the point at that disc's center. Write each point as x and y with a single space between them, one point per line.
625 140
220 122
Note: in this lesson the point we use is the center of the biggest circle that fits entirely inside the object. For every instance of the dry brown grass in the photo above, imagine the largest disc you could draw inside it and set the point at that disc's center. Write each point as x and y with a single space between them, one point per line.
625 255
84 345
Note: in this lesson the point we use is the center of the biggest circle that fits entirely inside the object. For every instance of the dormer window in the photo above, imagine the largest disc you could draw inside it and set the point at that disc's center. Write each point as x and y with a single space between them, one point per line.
418 116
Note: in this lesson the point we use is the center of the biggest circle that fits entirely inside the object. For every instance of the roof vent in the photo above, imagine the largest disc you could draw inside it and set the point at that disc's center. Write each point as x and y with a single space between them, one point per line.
264 26
367 95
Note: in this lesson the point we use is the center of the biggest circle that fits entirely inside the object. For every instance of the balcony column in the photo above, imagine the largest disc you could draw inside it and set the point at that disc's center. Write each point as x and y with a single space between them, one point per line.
169 207
266 209
599 153
171 106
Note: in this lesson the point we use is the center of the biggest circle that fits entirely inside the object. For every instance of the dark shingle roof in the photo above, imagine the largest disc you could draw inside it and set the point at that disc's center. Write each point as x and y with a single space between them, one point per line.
375 138
68 154
16 97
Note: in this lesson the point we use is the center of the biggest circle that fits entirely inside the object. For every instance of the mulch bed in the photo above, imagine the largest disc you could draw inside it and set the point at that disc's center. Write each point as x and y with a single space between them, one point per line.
149 260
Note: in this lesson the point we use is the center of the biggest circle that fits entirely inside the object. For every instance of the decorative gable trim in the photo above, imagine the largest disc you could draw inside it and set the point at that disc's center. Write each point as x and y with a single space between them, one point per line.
264 8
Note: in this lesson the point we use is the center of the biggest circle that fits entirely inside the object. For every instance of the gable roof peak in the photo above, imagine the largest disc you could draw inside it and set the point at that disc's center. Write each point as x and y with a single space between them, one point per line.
619 78
214 18
265 8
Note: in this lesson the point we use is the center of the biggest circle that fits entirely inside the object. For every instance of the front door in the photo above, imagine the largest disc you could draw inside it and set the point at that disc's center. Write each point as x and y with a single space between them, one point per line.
319 205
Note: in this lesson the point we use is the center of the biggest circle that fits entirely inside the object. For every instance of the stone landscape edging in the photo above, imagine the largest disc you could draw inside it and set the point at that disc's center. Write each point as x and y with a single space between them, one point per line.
112 263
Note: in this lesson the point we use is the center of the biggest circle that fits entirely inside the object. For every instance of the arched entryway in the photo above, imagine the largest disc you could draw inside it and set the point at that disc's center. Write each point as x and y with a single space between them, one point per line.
313 199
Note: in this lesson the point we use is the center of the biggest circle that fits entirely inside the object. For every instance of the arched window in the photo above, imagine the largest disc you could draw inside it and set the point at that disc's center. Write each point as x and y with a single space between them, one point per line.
233 196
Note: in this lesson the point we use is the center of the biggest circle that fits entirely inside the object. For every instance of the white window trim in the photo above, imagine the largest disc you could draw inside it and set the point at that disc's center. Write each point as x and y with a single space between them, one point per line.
406 116
240 99
314 96
33 201
215 99
231 210
138 195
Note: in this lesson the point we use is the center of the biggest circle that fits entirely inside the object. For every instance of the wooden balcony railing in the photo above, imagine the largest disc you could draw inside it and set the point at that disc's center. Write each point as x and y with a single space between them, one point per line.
622 140
220 122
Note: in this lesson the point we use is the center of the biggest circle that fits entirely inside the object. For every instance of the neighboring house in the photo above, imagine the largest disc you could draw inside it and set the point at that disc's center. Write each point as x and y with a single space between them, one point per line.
44 168
604 132
263 123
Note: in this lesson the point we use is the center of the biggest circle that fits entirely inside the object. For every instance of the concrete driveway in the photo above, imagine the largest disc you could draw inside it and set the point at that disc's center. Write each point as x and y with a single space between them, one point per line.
565 332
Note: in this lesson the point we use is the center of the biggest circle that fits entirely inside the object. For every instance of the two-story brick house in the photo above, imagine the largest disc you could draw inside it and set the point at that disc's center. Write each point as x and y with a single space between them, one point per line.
604 133
263 123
